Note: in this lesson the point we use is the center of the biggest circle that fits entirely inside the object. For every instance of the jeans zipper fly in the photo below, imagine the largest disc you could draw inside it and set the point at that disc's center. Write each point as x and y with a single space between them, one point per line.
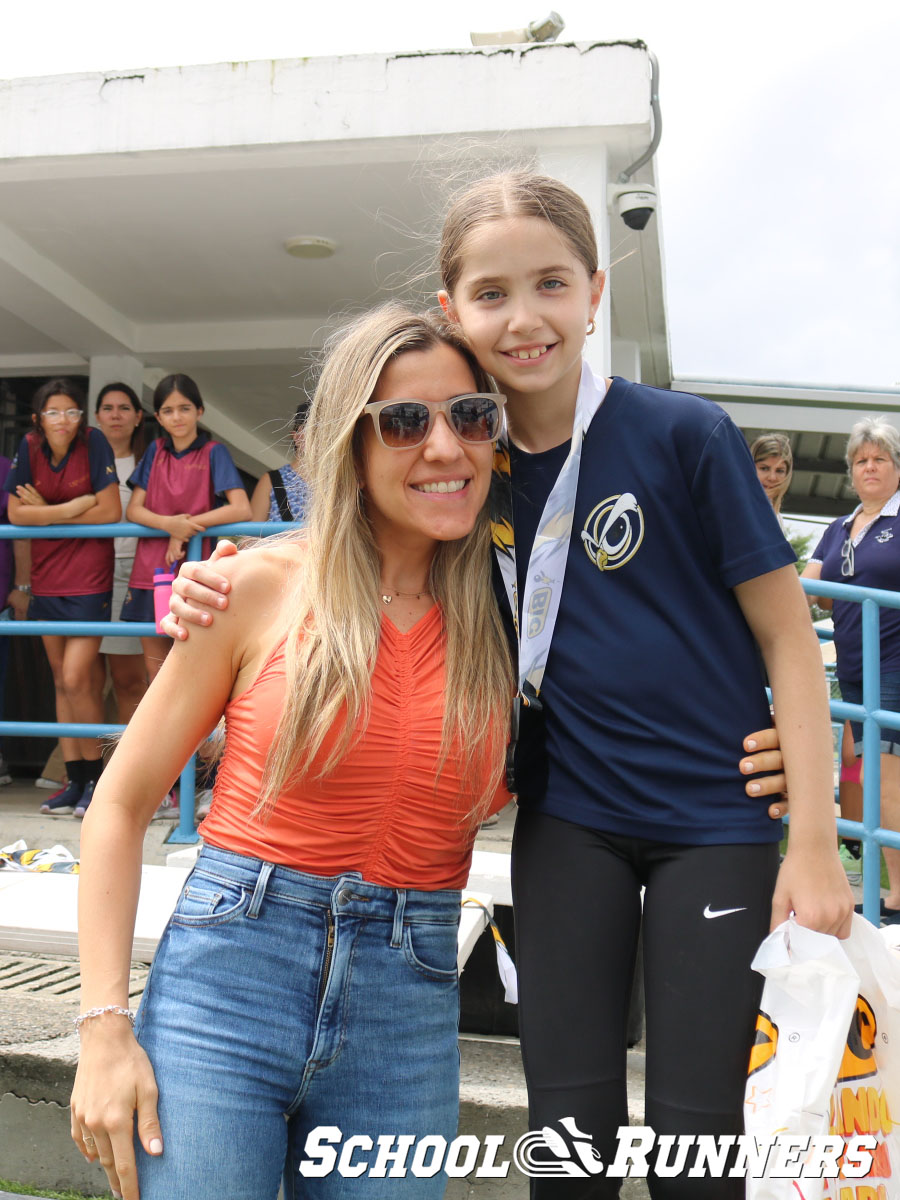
329 951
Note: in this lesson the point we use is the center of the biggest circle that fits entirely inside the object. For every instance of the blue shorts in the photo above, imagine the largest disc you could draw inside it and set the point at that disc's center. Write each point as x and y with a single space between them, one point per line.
95 607
280 1002
138 605
851 692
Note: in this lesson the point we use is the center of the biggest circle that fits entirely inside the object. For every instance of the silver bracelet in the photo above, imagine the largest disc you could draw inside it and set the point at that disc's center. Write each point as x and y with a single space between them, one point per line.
98 1012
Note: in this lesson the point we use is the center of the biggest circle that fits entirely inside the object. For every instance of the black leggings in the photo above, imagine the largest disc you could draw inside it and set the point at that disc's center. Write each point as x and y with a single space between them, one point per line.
577 903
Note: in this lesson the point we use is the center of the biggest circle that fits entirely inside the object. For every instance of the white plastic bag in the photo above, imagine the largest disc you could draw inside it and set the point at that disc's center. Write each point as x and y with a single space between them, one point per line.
827 1056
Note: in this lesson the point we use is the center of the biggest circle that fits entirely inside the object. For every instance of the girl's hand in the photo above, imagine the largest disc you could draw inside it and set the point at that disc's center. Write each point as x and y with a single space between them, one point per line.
813 885
28 494
197 589
764 754
174 551
114 1081
183 526
80 504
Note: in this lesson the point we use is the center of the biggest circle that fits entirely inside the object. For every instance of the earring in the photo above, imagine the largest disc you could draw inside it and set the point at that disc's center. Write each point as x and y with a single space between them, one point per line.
591 327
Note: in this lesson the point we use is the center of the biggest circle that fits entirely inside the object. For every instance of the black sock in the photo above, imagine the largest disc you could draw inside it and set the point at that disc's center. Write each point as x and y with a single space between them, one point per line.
91 768
74 770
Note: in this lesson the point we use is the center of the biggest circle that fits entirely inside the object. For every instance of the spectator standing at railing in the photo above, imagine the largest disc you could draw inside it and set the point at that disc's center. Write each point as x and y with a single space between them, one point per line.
64 474
774 467
859 549
185 483
120 419
280 495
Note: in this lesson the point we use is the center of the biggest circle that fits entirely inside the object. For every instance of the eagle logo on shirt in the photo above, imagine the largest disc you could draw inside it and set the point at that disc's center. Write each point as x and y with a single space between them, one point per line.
613 532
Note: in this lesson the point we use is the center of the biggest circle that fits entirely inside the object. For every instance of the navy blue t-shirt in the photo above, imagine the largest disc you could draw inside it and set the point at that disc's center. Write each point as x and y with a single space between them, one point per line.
653 676
876 564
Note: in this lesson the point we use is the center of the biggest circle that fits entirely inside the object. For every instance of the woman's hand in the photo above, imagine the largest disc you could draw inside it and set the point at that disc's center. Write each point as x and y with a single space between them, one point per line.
764 754
29 494
198 588
183 526
114 1081
813 886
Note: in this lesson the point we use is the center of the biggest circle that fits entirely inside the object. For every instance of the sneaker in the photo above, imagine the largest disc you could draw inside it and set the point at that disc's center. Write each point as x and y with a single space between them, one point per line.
86 797
168 810
850 864
491 821
52 785
5 776
63 802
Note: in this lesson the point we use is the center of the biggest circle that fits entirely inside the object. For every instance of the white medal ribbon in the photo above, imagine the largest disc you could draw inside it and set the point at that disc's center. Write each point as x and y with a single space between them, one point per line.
550 553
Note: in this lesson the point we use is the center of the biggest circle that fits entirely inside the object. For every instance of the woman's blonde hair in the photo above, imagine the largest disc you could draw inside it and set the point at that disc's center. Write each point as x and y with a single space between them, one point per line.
333 639
770 445
515 194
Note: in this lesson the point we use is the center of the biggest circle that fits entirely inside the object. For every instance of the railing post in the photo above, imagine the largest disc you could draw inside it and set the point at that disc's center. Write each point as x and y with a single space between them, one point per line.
871 681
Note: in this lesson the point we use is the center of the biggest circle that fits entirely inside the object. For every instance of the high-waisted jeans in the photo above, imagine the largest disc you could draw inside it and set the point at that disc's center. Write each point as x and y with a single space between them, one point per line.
280 1002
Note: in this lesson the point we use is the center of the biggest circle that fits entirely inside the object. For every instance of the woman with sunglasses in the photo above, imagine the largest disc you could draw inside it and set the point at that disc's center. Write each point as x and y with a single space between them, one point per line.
859 549
308 974
65 474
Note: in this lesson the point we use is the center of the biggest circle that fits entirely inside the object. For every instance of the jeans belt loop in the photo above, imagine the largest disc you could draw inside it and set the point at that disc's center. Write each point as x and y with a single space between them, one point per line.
259 891
397 931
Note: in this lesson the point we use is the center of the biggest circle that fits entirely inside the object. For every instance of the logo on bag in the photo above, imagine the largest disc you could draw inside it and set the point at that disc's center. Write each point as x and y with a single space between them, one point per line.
613 532
859 1053
765 1043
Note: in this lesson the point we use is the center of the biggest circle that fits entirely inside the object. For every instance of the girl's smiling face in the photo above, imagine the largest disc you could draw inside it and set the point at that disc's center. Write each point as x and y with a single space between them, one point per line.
524 301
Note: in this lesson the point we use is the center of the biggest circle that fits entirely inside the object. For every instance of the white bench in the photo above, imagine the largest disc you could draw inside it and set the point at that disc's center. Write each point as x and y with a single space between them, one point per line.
38 910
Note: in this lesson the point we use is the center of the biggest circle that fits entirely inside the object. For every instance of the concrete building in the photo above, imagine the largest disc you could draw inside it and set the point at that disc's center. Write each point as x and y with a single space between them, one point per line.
144 216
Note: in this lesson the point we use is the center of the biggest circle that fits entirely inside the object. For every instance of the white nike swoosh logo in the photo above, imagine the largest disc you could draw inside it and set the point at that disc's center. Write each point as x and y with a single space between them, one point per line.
710 914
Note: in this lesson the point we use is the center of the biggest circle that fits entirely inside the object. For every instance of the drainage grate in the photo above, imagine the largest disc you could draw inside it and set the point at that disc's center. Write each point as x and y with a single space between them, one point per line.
55 978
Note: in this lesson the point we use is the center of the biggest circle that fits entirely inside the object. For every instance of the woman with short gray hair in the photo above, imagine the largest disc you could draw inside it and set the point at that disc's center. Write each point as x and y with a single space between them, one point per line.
860 549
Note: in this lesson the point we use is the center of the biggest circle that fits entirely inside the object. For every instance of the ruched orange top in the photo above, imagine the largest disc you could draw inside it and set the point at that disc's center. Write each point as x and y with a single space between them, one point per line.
380 811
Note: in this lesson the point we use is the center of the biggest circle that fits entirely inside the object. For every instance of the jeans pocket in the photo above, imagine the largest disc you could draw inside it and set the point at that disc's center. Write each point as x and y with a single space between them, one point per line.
208 901
430 949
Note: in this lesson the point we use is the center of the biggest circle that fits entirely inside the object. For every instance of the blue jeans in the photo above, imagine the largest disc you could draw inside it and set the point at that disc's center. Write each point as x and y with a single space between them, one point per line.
280 1002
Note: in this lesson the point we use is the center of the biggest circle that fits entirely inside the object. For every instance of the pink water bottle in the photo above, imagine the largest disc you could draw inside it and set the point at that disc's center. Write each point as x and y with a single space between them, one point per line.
162 590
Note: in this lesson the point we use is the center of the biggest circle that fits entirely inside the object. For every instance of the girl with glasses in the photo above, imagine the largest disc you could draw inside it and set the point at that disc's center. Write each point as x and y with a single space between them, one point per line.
307 977
64 473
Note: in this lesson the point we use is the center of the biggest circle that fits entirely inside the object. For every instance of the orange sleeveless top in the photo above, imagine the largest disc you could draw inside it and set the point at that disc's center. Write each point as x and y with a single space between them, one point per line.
380 811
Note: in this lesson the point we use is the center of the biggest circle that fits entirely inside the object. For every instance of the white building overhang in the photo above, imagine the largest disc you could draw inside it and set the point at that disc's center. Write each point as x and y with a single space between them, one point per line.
143 214
818 420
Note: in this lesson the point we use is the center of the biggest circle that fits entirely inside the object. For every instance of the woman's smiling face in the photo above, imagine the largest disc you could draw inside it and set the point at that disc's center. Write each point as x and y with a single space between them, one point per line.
433 491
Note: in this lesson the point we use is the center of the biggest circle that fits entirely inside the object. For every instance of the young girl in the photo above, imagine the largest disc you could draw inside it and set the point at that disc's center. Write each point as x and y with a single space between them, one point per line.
120 419
646 674
639 674
63 473
185 483
308 975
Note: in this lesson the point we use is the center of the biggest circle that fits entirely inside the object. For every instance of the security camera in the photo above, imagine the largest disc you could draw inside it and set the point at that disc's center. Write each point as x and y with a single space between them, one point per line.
635 203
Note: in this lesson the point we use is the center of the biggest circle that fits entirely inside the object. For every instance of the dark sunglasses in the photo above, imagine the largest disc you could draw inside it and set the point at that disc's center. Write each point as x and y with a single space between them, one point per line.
402 424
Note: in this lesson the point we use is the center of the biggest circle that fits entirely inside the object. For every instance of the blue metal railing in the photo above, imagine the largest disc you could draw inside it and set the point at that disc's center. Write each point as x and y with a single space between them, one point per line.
185 832
870 713
873 717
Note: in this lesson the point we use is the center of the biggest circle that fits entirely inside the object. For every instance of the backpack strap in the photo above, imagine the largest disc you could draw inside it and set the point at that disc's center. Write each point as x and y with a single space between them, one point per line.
280 493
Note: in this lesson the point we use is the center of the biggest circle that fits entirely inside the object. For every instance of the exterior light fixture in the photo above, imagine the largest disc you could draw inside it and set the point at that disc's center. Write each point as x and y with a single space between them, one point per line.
547 30
309 246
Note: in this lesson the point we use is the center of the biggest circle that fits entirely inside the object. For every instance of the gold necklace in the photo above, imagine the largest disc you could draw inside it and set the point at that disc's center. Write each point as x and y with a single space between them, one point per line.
389 593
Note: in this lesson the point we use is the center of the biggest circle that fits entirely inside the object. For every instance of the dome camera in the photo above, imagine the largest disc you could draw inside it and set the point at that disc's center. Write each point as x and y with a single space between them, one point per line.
635 203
